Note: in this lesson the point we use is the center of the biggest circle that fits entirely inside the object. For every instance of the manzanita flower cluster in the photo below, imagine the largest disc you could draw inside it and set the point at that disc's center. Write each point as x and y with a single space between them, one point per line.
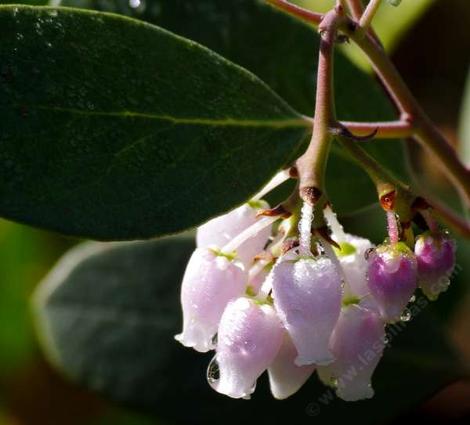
268 294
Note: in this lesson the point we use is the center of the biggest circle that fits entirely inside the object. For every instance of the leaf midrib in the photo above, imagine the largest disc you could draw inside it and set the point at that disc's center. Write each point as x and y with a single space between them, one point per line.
222 122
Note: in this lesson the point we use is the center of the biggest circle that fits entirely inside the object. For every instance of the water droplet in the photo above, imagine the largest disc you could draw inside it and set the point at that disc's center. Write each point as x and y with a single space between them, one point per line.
386 340
406 316
213 372
214 340
134 3
368 253
249 346
252 390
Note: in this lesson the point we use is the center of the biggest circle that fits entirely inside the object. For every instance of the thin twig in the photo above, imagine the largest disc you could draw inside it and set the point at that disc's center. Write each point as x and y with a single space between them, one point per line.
356 8
299 12
369 13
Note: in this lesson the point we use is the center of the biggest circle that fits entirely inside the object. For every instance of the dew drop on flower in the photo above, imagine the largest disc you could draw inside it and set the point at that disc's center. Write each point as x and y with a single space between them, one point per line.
368 253
406 316
213 372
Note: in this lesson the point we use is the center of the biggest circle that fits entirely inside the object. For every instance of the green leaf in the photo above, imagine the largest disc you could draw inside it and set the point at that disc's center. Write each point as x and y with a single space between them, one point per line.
130 131
107 315
283 52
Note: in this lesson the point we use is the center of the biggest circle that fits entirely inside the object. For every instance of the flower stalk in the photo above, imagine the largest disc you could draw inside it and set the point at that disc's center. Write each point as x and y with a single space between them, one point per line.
312 165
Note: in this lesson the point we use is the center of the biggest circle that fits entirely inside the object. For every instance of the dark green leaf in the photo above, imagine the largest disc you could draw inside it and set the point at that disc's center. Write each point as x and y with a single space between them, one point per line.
107 316
283 52
115 129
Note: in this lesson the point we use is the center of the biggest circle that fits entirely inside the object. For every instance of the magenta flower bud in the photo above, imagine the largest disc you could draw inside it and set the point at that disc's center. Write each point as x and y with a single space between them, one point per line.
392 279
436 260
357 343
221 230
248 340
307 296
285 377
210 282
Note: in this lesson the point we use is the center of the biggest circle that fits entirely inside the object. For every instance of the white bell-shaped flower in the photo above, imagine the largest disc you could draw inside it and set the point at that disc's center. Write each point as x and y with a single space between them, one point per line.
352 257
357 343
211 280
307 296
351 254
285 377
221 230
250 335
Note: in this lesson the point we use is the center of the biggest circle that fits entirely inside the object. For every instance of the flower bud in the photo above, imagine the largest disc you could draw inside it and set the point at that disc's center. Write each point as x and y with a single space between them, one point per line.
392 279
307 297
357 343
248 340
210 281
436 260
285 377
221 230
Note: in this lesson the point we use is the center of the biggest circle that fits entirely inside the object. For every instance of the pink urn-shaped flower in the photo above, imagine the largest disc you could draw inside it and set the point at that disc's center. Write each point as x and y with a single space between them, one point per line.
392 279
249 337
357 343
285 377
210 282
221 230
307 296
436 260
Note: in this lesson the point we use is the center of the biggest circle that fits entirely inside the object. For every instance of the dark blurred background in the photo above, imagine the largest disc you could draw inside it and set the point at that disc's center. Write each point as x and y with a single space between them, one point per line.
434 57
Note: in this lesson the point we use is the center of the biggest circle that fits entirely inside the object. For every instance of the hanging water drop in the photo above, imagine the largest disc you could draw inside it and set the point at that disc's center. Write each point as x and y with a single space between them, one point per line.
134 3
406 316
213 372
